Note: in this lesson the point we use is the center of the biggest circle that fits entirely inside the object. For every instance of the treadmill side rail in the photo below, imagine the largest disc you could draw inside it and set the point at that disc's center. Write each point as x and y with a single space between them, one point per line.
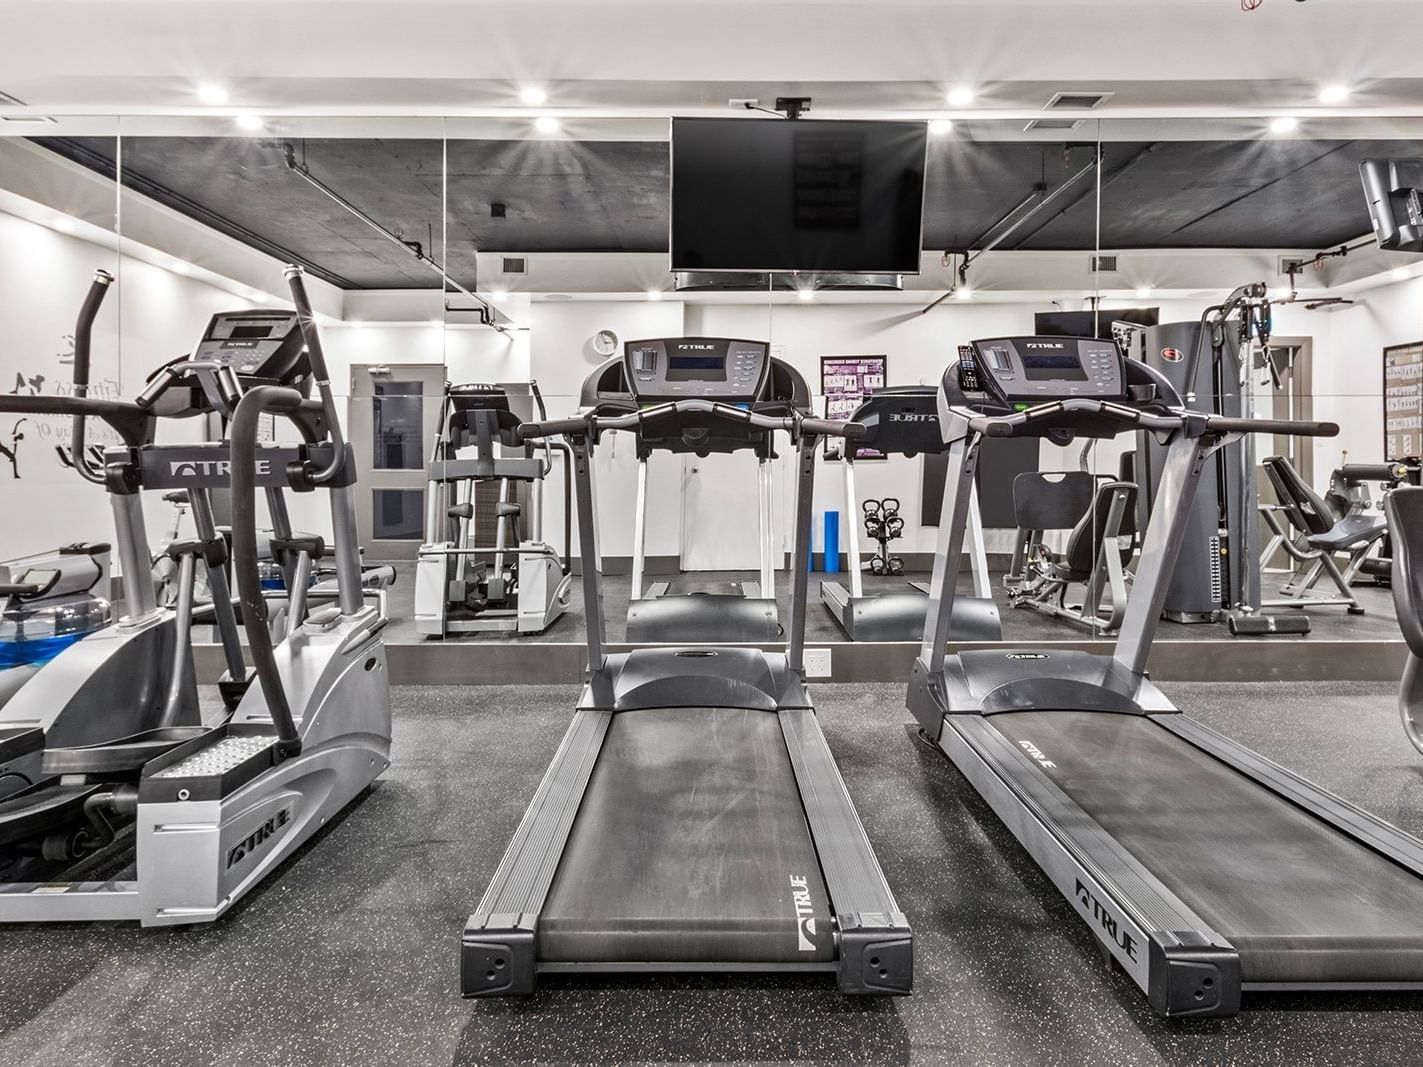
498 946
1171 953
876 947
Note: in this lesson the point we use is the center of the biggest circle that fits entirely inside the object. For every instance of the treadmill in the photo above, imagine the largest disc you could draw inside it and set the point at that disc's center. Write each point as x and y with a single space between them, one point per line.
693 818
1203 868
904 421
741 612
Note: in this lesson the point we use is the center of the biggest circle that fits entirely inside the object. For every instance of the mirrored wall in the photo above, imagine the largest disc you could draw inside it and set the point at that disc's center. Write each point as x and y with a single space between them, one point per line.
517 250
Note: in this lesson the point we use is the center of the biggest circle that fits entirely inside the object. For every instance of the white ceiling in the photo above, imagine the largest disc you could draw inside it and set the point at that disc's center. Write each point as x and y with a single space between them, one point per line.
655 56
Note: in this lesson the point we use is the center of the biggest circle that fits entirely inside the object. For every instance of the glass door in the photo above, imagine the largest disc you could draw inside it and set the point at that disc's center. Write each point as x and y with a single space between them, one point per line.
393 419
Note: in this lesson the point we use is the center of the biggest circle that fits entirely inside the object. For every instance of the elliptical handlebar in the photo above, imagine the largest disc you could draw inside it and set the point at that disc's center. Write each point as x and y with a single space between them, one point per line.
83 337
591 423
317 359
245 570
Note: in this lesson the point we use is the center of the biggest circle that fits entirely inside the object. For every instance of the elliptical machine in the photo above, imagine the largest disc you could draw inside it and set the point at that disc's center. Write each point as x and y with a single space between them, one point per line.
519 583
141 804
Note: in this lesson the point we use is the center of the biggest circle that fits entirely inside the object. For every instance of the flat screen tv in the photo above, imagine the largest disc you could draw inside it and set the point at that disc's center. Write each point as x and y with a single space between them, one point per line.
797 195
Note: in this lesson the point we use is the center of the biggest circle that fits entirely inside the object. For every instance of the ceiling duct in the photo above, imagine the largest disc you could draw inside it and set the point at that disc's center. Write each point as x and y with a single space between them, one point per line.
760 282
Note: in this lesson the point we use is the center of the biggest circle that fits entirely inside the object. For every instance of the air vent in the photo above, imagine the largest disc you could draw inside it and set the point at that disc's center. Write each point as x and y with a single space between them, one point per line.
1104 264
1053 124
1076 101
6 100
513 265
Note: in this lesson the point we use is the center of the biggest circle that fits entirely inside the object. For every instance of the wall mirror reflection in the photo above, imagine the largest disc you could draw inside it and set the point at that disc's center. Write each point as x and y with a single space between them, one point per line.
474 273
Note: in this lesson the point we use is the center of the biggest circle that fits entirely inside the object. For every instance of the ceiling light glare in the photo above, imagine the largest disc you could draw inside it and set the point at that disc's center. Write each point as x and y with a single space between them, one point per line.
1143 292
248 121
1333 94
940 127
806 294
178 267
532 95
960 97
546 124
64 224
212 95
964 292
1284 124
1402 274
654 294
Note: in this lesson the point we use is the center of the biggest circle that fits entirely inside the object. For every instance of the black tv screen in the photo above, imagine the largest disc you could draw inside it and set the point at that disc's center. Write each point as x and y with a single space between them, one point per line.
797 195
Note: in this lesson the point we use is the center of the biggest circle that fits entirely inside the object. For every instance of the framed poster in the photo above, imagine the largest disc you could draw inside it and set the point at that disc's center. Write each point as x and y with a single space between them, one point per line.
845 381
1403 401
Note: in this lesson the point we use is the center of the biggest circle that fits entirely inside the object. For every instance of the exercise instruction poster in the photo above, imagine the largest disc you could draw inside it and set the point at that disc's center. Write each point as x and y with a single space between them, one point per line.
1403 401
846 381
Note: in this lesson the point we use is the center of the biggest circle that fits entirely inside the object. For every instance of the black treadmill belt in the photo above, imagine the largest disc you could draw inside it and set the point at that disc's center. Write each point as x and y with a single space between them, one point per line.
1300 901
689 847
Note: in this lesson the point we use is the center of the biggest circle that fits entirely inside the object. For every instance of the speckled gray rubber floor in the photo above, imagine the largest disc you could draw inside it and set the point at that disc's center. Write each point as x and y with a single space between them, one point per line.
350 956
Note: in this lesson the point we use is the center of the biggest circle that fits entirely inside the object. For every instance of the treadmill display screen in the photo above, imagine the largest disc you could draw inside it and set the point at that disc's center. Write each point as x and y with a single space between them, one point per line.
696 369
250 331
1041 367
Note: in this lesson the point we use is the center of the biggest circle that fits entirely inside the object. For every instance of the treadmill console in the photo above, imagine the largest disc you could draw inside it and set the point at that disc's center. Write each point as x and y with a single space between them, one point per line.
258 344
705 368
1017 371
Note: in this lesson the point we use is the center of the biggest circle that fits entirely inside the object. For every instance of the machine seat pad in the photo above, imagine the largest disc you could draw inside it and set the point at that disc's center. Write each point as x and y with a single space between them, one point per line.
1350 532
41 809
123 757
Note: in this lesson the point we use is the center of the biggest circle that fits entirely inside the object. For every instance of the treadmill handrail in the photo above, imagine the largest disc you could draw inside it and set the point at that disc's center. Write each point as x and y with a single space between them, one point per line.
591 423
1167 420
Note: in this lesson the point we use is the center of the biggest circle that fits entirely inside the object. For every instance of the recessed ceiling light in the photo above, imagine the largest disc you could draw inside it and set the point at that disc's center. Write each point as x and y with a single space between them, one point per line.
960 97
546 124
1143 291
654 294
1402 274
356 325
805 294
498 294
248 121
1284 124
210 93
178 267
964 292
939 127
532 95
1333 94
64 224
1282 293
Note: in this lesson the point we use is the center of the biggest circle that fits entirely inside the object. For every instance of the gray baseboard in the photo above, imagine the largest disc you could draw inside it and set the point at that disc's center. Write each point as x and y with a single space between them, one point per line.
1240 660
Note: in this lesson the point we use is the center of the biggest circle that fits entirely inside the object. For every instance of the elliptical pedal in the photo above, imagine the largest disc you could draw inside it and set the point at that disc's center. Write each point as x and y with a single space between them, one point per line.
217 759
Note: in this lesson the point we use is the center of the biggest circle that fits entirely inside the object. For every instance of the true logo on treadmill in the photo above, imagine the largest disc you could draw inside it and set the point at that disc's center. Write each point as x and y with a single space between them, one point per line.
912 416
804 913
1093 907
258 837
1037 754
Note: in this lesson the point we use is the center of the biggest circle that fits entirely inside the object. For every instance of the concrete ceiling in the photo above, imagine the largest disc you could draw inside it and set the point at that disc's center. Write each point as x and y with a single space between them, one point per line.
565 196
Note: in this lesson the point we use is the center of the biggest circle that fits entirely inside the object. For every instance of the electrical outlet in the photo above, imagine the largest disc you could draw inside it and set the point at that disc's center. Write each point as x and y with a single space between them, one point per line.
817 663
